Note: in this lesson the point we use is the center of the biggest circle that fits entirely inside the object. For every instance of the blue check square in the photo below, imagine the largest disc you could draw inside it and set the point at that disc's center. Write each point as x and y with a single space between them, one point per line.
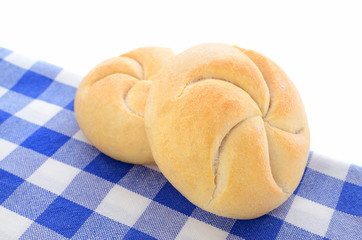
320 188
265 227
108 168
12 102
101 227
45 141
87 190
16 130
46 69
8 184
10 74
350 200
58 93
172 198
32 84
144 181
22 162
69 217
156 221
76 153
29 200
63 122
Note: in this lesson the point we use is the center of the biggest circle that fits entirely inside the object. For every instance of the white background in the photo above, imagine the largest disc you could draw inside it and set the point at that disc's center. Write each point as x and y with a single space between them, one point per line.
318 44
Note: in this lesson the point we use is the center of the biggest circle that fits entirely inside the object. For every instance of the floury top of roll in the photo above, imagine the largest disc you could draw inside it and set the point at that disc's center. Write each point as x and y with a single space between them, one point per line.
228 129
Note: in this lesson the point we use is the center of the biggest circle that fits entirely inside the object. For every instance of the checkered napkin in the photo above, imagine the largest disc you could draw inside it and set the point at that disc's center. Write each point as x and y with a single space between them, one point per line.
55 185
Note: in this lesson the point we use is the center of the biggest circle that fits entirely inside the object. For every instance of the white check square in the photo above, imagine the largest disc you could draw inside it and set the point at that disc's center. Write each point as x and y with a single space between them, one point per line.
53 176
123 205
309 215
12 224
329 166
6 148
38 112
19 60
195 229
69 78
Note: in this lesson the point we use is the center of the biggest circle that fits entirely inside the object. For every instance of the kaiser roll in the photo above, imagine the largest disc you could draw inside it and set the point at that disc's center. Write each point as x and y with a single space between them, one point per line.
110 101
228 129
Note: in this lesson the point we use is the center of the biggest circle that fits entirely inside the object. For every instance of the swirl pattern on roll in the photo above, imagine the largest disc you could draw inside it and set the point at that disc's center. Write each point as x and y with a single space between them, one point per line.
228 129
110 102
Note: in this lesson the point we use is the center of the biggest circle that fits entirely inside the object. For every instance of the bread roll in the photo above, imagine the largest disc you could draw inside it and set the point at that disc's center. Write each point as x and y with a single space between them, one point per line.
109 103
228 129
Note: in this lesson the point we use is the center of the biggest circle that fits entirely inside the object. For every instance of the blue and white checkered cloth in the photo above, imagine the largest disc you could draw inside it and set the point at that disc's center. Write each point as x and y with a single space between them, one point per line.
55 185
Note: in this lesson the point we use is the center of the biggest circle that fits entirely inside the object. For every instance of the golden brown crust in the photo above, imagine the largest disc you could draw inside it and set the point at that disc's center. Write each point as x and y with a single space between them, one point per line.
110 102
228 129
